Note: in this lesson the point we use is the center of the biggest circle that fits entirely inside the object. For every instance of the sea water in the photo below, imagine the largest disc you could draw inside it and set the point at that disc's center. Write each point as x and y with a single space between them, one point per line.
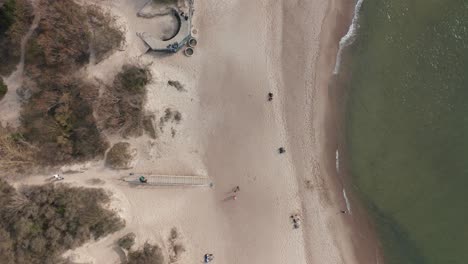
407 126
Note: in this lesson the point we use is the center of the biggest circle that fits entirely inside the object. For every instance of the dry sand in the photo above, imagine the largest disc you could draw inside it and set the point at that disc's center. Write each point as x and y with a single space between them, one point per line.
231 133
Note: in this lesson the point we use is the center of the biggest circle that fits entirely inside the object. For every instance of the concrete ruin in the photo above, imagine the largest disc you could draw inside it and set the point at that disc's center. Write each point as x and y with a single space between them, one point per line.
184 28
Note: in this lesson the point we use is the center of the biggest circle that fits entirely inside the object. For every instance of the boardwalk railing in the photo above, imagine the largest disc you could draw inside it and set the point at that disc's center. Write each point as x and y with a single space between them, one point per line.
170 180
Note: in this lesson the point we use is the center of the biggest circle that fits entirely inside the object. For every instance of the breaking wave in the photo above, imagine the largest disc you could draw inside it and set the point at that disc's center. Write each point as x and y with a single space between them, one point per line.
348 39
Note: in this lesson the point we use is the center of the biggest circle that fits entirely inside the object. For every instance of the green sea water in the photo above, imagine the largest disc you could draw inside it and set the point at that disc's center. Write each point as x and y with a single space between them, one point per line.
407 126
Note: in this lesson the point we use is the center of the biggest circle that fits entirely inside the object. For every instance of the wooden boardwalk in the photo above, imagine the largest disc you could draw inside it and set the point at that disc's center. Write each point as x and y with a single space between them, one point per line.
170 180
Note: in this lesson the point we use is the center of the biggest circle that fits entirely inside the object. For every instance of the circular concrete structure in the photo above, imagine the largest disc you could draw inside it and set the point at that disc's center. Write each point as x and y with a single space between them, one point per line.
189 52
192 42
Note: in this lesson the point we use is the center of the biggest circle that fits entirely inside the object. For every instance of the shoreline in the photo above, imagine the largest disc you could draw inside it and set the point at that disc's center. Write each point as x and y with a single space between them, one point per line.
325 121
362 229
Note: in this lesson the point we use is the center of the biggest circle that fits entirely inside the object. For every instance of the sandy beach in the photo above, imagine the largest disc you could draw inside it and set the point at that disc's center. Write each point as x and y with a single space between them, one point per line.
231 133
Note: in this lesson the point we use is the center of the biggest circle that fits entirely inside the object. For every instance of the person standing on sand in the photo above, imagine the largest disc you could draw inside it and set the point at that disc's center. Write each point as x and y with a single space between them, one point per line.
270 96
236 189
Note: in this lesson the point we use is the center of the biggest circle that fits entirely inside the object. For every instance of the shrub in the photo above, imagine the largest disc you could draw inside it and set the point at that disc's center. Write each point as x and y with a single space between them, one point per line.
16 155
121 106
58 114
178 250
15 19
148 125
175 248
176 84
127 241
39 223
61 40
149 254
59 120
66 31
170 116
106 36
119 156
132 79
3 88
7 16
95 181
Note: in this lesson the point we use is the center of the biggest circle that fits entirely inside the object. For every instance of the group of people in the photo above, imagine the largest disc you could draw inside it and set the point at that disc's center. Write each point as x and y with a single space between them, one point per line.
296 221
57 177
234 191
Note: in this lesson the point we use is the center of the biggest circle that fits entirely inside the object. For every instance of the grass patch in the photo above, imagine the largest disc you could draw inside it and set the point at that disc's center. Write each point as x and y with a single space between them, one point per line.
119 156
15 19
95 181
58 119
132 79
3 88
172 116
148 126
121 106
66 35
148 254
39 223
176 84
7 16
106 36
16 155
176 249
58 115
127 241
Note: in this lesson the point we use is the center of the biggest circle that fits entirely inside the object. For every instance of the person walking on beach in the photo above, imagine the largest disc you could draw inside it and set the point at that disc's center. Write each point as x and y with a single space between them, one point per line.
208 258
236 189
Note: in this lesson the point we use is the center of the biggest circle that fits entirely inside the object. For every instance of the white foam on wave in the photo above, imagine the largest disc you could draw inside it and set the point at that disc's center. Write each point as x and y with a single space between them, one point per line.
337 156
348 205
348 39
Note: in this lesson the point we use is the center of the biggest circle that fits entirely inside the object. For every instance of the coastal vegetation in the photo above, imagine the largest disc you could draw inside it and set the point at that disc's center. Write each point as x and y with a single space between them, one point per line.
106 35
17 155
175 247
67 35
15 19
177 85
121 105
148 254
126 242
119 156
3 88
57 115
39 223
58 119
